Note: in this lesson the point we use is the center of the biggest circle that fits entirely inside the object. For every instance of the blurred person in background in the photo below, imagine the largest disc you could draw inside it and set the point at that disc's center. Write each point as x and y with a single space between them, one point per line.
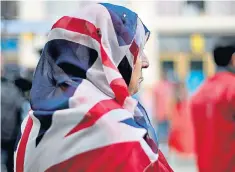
181 129
83 117
11 103
213 113
24 83
162 98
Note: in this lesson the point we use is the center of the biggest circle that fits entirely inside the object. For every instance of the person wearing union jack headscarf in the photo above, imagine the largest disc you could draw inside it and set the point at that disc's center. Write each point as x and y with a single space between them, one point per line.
83 116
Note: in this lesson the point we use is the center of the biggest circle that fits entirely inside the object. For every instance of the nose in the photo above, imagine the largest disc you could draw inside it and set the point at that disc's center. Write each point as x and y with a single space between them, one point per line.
145 61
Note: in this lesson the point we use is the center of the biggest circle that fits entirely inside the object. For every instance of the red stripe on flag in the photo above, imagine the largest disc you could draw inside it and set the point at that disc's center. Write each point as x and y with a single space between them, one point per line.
134 49
125 157
86 28
120 90
94 114
160 165
77 25
106 60
22 146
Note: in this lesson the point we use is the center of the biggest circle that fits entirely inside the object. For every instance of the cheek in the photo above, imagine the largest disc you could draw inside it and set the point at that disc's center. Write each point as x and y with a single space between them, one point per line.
137 67
136 72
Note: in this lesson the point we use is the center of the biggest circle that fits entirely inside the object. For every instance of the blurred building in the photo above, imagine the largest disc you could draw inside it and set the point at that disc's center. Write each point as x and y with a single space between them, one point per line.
187 32
25 24
182 32
183 36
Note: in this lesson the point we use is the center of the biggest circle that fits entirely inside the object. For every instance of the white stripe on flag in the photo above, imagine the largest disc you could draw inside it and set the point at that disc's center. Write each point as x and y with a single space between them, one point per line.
31 144
112 74
59 33
106 131
152 156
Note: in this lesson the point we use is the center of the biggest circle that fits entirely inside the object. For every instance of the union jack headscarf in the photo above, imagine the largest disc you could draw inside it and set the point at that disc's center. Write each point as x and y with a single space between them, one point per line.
82 117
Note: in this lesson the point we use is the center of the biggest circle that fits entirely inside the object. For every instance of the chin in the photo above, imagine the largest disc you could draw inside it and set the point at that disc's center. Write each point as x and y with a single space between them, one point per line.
136 90
133 91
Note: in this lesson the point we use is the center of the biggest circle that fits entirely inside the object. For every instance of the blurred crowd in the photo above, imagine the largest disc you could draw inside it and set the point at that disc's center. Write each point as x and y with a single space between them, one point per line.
200 126
15 87
171 115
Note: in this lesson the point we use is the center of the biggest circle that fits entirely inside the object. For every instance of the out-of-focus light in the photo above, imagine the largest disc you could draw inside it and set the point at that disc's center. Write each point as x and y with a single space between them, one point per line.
27 36
197 43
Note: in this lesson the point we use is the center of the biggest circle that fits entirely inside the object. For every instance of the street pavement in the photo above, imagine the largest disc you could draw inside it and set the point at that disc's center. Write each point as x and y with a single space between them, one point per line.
178 163
182 165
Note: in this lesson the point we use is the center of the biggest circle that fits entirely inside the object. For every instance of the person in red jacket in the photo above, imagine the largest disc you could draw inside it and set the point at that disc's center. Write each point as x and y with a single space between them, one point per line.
213 114
181 138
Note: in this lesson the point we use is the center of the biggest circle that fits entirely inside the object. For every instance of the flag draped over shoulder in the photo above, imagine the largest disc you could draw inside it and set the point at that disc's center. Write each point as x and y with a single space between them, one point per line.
82 117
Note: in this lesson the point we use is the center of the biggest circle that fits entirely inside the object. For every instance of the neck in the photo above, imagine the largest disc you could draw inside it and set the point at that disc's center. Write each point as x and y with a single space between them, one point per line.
227 68
231 68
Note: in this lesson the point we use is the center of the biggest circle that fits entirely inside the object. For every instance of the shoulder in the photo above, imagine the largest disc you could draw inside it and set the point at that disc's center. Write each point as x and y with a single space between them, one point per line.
230 87
224 78
215 88
225 82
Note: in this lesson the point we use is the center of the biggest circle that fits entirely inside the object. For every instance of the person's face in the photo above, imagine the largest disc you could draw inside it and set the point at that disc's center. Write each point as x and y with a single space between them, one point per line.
136 77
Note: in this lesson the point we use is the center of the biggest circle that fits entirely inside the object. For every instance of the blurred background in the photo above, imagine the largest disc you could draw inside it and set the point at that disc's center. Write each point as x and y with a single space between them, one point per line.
183 34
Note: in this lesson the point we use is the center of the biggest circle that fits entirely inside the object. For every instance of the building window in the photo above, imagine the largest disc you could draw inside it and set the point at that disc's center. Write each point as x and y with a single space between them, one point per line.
168 8
174 43
167 65
196 66
194 8
9 10
200 5
168 69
